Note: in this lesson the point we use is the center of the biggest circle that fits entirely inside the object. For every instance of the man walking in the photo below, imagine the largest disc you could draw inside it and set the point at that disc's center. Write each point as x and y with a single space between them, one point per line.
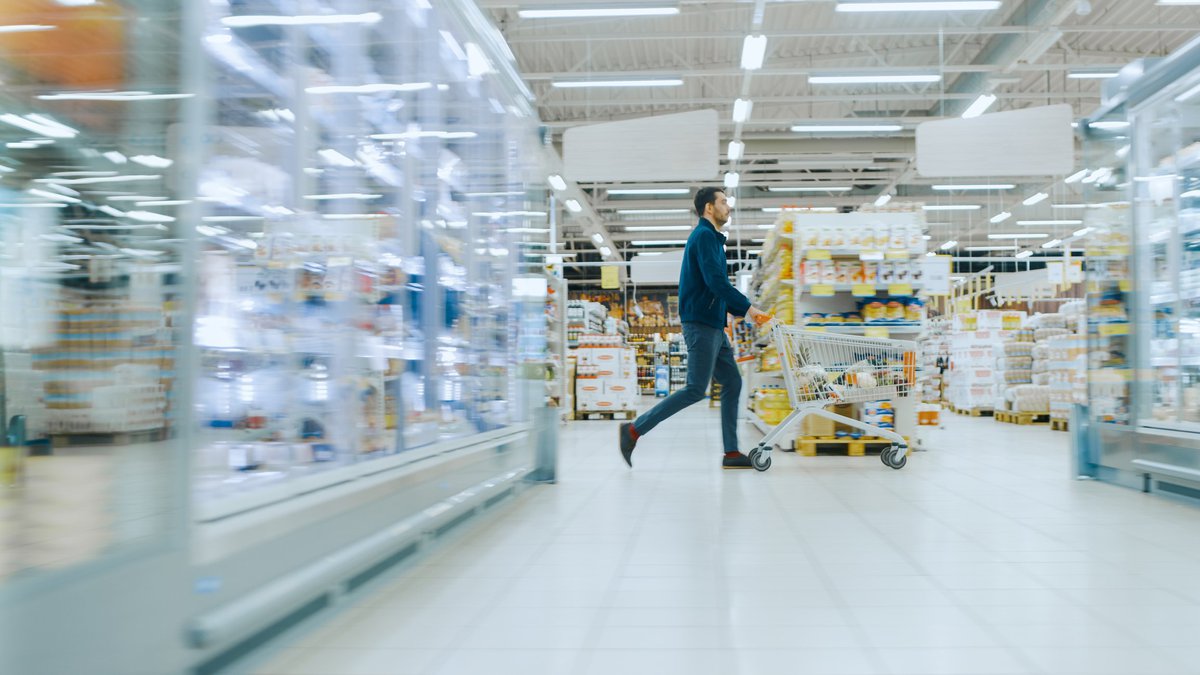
705 297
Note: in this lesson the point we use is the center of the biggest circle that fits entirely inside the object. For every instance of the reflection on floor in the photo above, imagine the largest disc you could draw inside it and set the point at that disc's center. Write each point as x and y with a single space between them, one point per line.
982 556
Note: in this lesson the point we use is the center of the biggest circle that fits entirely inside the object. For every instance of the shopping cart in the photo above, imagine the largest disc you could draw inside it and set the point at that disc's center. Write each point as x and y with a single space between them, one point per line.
822 369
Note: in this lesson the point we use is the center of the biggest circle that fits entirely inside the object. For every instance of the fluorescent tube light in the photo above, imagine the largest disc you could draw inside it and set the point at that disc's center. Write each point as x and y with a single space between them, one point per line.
659 242
1109 125
991 248
883 199
1052 243
920 6
556 181
40 124
1068 206
1178 3
595 12
846 128
952 207
1076 177
605 251
874 79
658 228
754 50
598 238
376 88
742 109
343 195
806 188
336 158
733 152
645 212
25 28
645 82
251 20
1036 199
118 96
650 191
1092 74
980 106
949 245
1024 254
115 157
732 180
573 206
1049 222
1082 232
998 186
1001 217
1018 235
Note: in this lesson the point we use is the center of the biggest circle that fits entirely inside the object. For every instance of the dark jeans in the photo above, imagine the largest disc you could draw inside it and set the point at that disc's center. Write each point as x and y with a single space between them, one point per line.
709 355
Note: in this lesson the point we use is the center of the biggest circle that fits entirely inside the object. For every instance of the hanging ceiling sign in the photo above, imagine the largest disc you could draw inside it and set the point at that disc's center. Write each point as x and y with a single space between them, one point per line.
667 147
1030 142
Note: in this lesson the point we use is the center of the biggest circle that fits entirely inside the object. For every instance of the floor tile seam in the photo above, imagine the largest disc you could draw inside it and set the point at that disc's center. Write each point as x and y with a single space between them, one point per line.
1007 644
819 569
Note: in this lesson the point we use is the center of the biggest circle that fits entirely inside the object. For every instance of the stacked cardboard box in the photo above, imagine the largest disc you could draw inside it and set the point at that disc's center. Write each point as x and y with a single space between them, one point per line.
606 379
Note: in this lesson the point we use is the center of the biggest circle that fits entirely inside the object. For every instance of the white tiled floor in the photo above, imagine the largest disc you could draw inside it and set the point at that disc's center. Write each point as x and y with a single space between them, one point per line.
983 556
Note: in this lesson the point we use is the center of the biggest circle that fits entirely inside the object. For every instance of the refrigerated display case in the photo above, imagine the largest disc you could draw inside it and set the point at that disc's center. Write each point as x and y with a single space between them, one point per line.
1143 274
259 314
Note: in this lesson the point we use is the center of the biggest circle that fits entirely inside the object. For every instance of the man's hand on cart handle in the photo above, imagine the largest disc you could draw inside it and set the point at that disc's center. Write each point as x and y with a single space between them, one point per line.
758 316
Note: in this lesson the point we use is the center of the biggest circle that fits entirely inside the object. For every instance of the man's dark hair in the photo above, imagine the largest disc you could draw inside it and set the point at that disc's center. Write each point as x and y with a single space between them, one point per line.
704 197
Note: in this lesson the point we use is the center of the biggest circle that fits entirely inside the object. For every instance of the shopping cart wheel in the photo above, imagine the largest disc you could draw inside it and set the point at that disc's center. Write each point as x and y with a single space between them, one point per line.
760 460
896 456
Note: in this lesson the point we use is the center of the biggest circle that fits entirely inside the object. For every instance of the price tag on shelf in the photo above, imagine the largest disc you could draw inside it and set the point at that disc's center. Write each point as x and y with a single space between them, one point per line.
821 290
1110 329
900 290
896 255
863 290
877 332
818 254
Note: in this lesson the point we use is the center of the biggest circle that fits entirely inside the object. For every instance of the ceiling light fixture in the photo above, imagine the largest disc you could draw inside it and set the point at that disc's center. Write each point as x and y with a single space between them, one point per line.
1076 177
1052 243
646 212
980 106
605 251
952 207
658 228
991 248
1001 217
1082 232
1024 254
733 152
596 12
649 191
1049 222
919 6
1092 74
913 78
1036 199
883 199
814 188
754 50
556 181
643 82
376 88
1018 235
998 186
742 109
573 206
597 238
949 245
732 180
845 128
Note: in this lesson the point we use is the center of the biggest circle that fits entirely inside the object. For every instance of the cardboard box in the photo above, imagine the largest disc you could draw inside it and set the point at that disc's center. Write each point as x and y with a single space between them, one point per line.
814 425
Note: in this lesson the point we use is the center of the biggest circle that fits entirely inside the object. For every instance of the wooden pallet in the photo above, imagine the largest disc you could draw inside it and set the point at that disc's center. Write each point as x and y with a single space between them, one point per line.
1011 417
973 412
112 439
605 414
1059 425
811 446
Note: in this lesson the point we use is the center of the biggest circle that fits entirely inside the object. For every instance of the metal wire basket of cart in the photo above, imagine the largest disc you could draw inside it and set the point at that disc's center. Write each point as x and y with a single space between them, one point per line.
822 369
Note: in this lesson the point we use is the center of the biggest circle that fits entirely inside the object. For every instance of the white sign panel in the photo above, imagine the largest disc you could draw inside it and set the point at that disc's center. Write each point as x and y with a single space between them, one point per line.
937 274
668 147
657 269
1029 142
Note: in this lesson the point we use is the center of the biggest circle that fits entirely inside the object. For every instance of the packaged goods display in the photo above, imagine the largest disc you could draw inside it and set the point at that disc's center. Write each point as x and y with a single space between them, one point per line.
606 379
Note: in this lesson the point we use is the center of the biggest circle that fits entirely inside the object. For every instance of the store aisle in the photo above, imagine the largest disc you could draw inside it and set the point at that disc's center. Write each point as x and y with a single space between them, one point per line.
982 556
